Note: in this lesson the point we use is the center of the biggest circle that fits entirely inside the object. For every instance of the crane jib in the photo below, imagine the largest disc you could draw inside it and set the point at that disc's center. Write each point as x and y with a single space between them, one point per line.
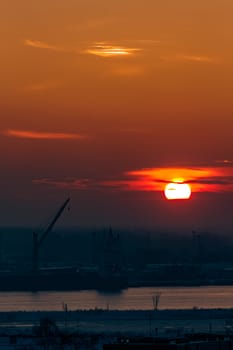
37 241
53 222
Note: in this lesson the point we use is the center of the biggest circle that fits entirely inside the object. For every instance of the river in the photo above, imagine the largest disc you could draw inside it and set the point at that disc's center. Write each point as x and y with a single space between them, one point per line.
132 298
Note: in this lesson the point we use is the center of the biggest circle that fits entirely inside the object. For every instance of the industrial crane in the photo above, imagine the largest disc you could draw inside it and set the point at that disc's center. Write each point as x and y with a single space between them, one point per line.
38 240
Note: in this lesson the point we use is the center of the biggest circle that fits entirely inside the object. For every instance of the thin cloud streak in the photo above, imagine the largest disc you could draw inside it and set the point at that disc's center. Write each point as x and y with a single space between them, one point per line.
189 58
224 162
88 184
99 48
78 184
216 180
29 134
43 45
206 179
107 50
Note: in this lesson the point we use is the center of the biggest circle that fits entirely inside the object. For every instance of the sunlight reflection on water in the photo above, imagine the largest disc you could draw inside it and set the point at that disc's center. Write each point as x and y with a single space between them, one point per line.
132 298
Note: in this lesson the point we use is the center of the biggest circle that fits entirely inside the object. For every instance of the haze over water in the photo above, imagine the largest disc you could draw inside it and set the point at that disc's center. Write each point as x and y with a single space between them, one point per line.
132 298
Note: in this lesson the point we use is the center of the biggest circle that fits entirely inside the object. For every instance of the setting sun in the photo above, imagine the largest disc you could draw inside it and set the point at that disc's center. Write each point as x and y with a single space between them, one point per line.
177 191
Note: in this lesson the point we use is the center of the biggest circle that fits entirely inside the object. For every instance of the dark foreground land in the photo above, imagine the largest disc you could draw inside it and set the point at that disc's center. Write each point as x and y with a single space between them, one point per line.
130 322
192 329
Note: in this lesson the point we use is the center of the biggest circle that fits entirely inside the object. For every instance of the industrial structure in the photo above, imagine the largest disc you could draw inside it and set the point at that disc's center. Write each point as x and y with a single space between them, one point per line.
38 240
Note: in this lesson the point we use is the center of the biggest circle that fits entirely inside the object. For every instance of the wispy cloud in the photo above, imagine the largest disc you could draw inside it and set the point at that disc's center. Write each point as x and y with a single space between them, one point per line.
215 179
104 49
86 184
30 134
77 184
195 58
43 45
188 58
224 162
201 179
123 48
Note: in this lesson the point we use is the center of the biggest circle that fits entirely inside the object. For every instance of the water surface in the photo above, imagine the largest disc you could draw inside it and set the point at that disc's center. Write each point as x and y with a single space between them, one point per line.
132 298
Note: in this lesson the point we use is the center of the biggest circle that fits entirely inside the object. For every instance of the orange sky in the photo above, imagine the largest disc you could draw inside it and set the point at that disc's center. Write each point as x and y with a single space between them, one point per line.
94 91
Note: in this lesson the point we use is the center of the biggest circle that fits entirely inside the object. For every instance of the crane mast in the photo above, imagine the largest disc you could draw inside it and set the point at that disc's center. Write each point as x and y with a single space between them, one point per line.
38 240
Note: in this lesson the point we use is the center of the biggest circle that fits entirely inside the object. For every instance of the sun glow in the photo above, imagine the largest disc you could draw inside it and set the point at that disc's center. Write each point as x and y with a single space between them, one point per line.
177 190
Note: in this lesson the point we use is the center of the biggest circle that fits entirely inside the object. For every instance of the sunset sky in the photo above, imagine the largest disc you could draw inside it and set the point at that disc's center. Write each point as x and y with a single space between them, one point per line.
107 101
